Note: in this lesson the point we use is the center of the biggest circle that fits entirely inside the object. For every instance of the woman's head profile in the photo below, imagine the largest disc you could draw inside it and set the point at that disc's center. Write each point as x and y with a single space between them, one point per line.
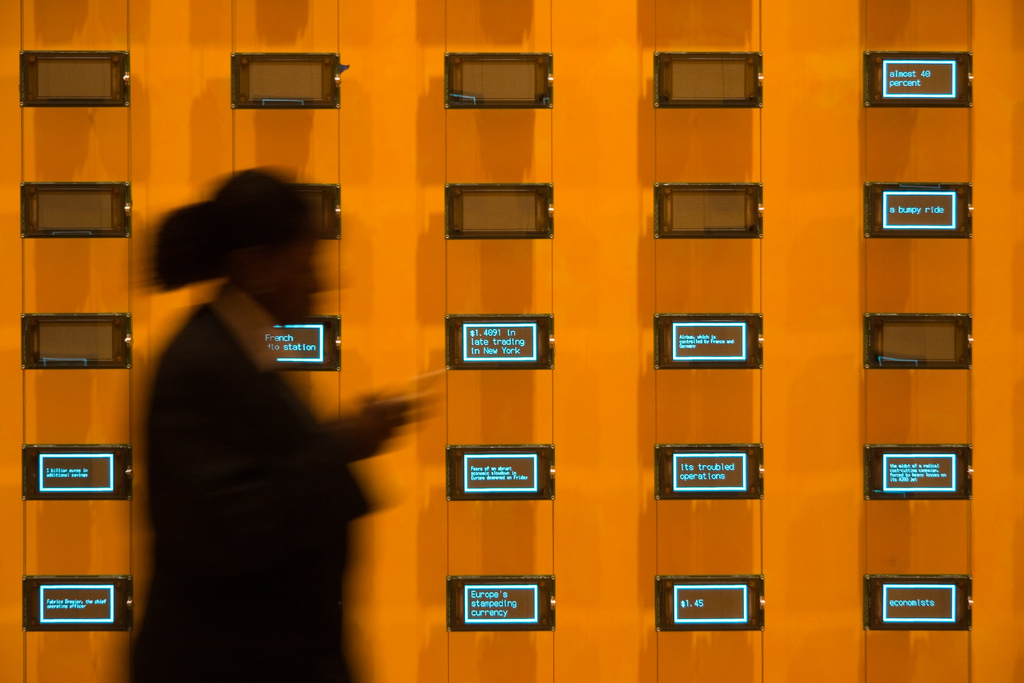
256 231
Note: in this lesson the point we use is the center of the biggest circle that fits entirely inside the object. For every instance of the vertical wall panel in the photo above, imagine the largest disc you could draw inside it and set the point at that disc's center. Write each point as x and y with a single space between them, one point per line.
80 276
915 144
998 400
813 506
506 276
393 253
708 276
180 146
605 530
11 508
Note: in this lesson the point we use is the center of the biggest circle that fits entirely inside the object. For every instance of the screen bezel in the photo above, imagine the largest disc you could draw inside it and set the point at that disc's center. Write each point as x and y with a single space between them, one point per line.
874 215
875 322
545 609
120 324
664 602
332 347
663 193
330 92
454 480
120 90
873 96
543 85
663 341
545 349
121 468
120 197
328 225
32 619
664 60
874 471
544 194
873 594
664 471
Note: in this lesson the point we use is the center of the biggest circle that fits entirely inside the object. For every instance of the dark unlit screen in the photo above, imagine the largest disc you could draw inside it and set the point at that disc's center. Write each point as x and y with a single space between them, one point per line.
924 341
75 211
500 211
79 341
315 203
709 210
286 80
85 78
708 79
504 80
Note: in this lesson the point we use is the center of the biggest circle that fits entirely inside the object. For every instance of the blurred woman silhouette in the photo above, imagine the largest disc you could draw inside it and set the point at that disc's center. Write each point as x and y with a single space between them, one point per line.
250 497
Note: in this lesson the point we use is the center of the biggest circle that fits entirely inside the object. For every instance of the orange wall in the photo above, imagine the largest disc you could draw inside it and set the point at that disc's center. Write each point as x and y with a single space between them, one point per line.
392 146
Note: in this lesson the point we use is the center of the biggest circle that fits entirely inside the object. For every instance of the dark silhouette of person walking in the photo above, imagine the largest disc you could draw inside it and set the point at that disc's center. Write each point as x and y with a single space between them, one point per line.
250 496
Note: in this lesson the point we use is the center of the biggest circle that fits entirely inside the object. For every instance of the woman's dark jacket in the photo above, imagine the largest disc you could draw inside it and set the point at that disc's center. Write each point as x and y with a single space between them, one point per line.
250 504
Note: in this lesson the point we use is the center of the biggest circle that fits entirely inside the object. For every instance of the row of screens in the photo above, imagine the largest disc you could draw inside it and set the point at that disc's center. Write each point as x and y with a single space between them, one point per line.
709 603
527 472
496 80
527 603
105 209
908 341
84 340
524 211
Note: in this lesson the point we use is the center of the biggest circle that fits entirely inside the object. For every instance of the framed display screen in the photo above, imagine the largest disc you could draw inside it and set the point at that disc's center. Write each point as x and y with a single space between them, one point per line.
917 340
324 202
285 80
523 472
707 79
918 210
74 79
917 79
501 603
707 210
77 603
80 472
917 603
75 209
941 472
311 345
500 342
498 80
498 211
707 341
712 471
709 603
82 340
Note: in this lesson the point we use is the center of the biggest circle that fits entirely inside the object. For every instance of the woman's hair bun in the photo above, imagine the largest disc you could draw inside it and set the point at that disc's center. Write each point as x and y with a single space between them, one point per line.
253 208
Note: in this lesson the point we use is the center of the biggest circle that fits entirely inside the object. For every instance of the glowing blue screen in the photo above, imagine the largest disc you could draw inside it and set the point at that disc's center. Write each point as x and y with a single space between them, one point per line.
76 604
919 603
919 78
500 473
709 471
501 604
918 210
711 604
499 342
709 341
298 343
76 472
919 472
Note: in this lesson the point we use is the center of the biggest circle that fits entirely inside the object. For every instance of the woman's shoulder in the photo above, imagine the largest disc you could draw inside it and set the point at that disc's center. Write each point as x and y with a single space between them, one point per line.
204 345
